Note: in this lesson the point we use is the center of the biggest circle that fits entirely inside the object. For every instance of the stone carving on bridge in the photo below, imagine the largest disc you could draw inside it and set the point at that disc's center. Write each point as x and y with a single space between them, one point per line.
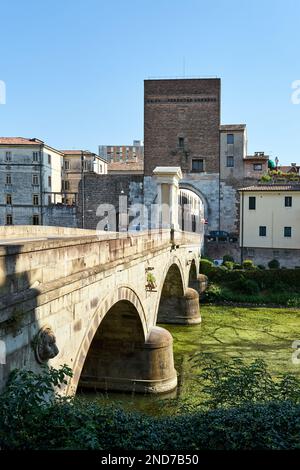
45 347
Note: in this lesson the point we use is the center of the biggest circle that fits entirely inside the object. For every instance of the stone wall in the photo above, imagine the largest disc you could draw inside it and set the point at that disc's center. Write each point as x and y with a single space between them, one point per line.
288 258
60 215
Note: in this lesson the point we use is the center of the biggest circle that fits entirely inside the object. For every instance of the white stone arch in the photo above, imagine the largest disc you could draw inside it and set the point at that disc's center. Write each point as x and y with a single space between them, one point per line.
121 293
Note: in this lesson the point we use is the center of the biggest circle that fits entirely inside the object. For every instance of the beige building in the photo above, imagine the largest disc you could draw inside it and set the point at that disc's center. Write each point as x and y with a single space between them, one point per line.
75 164
270 223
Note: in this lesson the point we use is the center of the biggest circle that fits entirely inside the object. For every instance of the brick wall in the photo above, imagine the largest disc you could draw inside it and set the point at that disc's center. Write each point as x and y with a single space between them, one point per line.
188 108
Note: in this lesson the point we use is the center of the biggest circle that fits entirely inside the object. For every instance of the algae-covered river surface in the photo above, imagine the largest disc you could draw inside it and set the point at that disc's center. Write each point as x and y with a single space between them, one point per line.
225 332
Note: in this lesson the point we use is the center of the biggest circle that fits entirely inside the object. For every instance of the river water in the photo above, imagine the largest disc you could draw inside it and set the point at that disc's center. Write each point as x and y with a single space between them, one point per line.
225 332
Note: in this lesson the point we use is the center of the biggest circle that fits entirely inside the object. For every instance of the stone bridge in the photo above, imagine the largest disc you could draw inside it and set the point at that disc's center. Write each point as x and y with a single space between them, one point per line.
93 302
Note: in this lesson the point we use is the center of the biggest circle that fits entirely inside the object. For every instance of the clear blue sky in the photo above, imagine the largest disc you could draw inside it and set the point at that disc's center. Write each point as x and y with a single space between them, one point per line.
74 69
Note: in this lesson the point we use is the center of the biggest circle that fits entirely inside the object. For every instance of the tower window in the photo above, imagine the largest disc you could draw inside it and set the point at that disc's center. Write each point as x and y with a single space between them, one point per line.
198 165
181 142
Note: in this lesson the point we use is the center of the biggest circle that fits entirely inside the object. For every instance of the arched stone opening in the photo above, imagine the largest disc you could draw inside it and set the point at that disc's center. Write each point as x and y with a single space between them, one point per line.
176 304
193 275
120 359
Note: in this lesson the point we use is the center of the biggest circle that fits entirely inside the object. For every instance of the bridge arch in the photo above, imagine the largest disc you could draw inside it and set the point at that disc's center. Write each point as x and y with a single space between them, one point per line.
124 297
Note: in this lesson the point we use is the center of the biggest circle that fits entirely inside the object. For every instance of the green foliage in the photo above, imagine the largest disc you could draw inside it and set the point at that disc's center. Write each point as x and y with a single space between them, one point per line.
265 178
248 409
25 402
237 266
228 265
293 302
248 264
205 266
228 258
274 264
261 266
235 383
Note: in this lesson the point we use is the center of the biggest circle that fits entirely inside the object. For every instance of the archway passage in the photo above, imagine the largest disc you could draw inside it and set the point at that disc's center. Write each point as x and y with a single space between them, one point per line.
176 304
120 359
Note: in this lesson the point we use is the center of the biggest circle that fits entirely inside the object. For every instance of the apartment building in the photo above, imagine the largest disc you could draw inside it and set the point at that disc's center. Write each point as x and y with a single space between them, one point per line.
127 158
30 180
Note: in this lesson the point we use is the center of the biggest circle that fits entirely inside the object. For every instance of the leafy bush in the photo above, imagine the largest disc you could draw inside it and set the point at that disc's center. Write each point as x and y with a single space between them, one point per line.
228 258
250 287
261 266
274 264
248 264
205 266
228 265
293 302
237 266
242 414
234 382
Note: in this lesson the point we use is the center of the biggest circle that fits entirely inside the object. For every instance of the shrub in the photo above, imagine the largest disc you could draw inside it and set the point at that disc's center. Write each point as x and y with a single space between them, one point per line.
261 266
293 302
274 264
205 266
237 266
228 265
228 258
248 264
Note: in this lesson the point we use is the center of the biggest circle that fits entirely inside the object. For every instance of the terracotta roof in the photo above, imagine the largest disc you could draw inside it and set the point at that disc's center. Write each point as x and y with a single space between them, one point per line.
19 141
286 169
74 152
232 127
272 187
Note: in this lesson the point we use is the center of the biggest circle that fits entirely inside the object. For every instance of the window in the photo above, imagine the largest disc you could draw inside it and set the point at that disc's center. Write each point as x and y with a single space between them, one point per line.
257 166
66 164
35 220
198 165
9 220
35 156
181 142
288 232
8 178
252 203
8 156
65 185
230 139
262 231
100 168
49 159
35 200
35 180
230 161
49 200
49 181
288 201
8 199
86 164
